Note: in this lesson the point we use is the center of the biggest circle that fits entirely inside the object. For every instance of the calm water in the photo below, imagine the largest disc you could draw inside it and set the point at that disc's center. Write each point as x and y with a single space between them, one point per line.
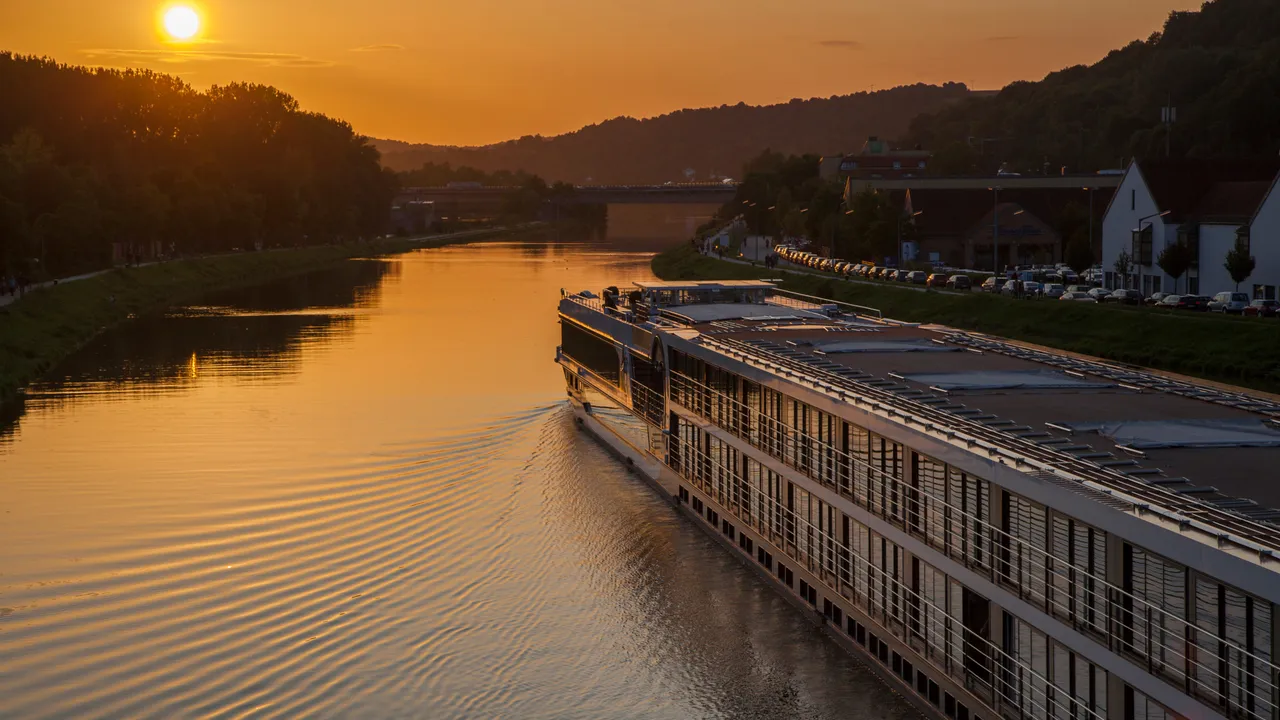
361 494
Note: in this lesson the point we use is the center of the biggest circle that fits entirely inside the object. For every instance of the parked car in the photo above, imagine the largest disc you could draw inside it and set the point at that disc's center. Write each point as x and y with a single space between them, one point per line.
1125 297
916 277
897 275
937 280
1263 308
960 282
991 285
1099 294
1184 302
1077 297
1156 298
1031 288
1008 287
1231 303
1053 291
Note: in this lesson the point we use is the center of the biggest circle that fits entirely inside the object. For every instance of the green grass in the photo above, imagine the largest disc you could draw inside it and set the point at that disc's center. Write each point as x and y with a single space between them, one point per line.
51 323
1240 351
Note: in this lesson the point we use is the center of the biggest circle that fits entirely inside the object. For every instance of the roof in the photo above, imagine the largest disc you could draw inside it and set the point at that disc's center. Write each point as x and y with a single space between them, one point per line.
1186 187
956 212
1234 201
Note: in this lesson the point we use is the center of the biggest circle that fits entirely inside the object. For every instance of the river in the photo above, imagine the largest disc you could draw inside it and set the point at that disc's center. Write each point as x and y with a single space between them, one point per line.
360 493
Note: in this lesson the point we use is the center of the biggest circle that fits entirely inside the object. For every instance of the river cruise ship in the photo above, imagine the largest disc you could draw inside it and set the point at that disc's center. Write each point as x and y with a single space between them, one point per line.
997 529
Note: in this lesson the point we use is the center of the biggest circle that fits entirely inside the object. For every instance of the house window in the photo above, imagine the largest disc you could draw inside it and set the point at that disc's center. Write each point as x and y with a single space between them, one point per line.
1264 292
1189 235
1193 285
1242 240
1142 245
1133 199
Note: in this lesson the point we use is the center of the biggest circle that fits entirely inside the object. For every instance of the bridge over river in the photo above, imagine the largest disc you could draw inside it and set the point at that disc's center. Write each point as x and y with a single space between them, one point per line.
668 194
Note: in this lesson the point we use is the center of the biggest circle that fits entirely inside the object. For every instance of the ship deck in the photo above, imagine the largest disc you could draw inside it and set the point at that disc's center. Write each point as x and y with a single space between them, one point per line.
1206 453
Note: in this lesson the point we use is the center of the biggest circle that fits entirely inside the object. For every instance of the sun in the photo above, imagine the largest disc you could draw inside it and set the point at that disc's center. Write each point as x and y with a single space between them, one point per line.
181 22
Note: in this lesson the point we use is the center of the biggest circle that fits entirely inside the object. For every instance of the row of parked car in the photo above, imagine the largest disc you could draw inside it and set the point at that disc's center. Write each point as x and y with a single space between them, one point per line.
1230 303
875 272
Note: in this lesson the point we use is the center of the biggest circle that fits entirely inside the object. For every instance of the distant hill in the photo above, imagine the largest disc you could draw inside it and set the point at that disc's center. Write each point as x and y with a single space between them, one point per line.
709 140
1219 66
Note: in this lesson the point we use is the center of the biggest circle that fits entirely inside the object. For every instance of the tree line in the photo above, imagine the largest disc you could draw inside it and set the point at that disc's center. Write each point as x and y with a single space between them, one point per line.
99 163
707 140
1219 66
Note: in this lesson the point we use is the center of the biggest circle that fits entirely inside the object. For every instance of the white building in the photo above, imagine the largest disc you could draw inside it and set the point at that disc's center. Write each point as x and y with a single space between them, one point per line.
1209 204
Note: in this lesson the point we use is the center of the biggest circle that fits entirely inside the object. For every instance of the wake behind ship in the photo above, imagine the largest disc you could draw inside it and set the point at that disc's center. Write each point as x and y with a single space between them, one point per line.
998 530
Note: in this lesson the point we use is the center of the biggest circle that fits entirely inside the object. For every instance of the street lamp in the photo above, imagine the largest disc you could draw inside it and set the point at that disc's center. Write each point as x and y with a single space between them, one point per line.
902 259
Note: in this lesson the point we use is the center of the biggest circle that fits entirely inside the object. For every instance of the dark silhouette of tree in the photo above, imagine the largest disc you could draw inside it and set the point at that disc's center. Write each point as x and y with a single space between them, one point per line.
1175 260
1239 265
97 162
716 140
1220 66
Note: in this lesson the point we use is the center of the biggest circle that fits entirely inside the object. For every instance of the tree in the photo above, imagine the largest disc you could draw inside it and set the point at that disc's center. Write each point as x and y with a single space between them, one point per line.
1079 254
1123 264
1239 264
1175 260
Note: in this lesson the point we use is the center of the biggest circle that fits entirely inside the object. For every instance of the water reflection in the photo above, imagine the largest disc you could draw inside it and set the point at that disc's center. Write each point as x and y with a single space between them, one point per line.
267 325
363 496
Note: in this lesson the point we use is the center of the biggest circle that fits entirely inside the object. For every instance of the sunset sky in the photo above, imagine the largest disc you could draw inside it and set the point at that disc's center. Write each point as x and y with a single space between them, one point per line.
488 70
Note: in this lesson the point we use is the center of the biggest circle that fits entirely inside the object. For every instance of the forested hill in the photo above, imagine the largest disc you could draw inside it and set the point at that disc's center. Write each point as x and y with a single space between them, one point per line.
1220 67
719 140
92 159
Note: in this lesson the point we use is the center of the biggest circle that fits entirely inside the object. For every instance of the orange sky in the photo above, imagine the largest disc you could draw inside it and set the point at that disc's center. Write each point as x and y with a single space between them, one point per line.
488 70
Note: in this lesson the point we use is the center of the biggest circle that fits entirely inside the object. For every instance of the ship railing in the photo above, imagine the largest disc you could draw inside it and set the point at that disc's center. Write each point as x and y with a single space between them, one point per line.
1175 649
649 404
999 678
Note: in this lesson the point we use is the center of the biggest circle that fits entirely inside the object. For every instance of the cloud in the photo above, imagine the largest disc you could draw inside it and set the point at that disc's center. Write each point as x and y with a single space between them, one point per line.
1003 38
378 48
841 44
186 56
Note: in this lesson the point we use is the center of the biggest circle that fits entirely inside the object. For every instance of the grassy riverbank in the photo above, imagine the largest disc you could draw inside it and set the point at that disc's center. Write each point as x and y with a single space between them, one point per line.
52 322
1239 351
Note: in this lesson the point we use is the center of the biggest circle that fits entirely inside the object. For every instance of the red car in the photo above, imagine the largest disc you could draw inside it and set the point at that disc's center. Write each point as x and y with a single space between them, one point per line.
1263 308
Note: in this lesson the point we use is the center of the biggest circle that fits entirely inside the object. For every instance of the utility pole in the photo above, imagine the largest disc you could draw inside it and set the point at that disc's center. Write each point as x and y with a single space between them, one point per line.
995 231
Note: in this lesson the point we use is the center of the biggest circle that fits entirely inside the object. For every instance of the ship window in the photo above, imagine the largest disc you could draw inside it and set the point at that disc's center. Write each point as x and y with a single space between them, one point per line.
897 664
922 684
962 712
949 707
934 692
592 351
908 671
